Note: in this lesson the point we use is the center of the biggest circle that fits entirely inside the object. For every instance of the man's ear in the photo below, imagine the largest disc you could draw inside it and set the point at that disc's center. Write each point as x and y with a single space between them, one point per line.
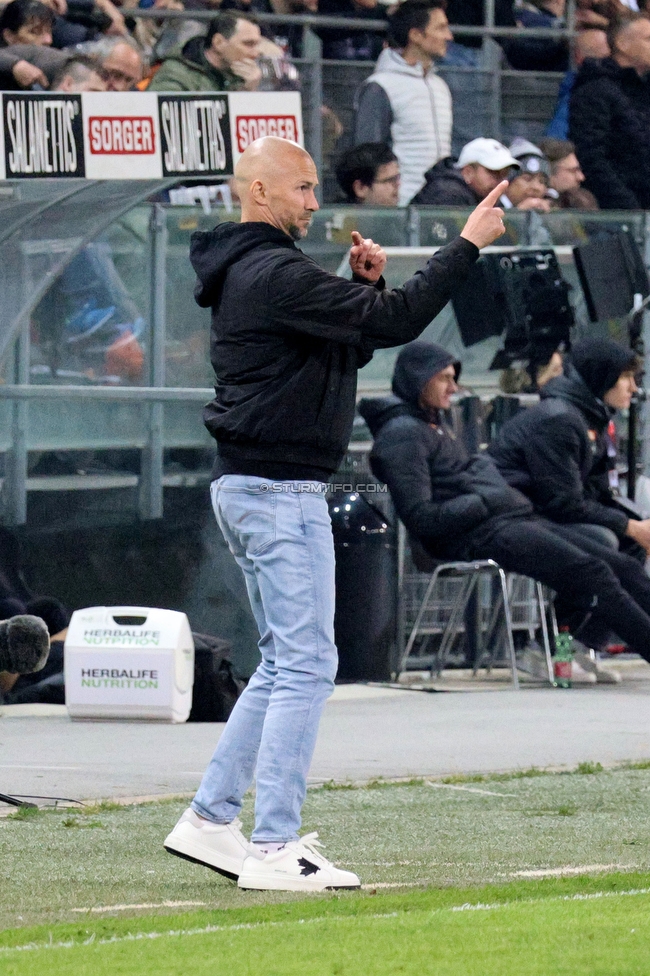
258 192
217 42
360 190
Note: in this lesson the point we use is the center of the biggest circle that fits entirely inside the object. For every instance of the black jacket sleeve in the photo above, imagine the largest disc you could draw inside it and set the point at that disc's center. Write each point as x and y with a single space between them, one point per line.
402 462
553 461
304 298
591 110
374 115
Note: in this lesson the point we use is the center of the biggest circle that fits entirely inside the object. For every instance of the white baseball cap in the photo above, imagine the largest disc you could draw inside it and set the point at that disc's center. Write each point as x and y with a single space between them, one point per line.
487 152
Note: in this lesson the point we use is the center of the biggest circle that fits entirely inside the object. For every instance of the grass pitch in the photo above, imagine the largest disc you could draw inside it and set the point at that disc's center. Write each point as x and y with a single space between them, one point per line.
475 865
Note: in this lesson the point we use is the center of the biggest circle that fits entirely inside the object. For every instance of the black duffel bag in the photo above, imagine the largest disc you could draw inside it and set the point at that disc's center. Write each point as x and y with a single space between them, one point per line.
216 689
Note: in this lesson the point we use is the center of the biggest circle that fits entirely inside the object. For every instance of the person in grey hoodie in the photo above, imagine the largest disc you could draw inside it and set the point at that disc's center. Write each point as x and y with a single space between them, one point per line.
404 103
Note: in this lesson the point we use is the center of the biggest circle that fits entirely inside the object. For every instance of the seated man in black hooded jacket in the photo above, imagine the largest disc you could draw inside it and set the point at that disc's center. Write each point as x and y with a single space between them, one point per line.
459 507
559 452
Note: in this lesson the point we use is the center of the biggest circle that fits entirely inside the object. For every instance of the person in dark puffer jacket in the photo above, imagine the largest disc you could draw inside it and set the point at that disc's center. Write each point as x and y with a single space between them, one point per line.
609 119
459 507
558 451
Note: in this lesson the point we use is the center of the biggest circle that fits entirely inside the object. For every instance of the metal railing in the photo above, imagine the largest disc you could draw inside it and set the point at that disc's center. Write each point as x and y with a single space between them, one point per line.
39 416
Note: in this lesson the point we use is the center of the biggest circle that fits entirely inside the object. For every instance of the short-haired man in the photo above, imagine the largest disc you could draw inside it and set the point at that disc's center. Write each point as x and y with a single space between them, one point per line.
80 74
566 177
482 165
287 341
459 506
609 118
404 103
224 60
369 174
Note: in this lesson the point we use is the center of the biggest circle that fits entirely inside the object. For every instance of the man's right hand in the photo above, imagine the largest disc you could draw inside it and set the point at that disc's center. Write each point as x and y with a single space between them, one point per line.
27 74
485 224
640 532
250 71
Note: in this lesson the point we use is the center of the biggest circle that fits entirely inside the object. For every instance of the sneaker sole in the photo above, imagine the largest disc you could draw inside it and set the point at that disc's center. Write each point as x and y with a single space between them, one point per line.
291 885
187 856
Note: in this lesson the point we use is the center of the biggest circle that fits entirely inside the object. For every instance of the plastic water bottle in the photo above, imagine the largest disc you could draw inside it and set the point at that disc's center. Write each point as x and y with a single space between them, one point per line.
563 658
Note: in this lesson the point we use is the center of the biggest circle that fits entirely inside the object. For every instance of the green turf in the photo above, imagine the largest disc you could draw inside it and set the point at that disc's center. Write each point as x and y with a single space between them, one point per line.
441 840
583 926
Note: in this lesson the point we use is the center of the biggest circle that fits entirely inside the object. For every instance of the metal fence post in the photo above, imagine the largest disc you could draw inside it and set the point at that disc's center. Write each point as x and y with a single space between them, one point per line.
15 482
312 52
151 470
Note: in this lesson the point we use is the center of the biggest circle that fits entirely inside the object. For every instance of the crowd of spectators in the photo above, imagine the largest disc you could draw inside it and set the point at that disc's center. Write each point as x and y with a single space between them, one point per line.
595 152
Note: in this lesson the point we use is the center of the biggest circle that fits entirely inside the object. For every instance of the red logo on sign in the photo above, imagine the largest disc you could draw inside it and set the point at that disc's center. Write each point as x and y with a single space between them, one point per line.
252 127
121 136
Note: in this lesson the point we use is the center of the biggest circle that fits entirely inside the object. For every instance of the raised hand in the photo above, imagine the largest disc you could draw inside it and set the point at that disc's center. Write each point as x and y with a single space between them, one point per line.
485 223
367 259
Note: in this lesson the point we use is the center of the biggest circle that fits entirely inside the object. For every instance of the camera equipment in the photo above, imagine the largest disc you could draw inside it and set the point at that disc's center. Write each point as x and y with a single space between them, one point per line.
521 295
611 273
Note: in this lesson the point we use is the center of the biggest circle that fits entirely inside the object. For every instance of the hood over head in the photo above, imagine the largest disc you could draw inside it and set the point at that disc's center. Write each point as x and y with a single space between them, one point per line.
377 411
416 364
213 252
600 362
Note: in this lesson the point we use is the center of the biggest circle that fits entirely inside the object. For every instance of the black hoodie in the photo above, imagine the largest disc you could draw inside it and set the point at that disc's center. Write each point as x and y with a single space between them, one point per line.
609 122
556 451
288 338
445 187
442 494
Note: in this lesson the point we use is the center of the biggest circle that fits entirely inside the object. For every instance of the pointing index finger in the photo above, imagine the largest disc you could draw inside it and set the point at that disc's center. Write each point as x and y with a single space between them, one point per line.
494 195
356 237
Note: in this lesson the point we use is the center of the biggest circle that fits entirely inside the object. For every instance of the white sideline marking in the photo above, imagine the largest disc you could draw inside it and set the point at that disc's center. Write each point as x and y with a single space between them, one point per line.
125 908
560 872
392 884
248 926
480 907
466 789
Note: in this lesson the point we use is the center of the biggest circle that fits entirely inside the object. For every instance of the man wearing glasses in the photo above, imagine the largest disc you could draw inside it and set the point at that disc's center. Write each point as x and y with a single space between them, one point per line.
369 174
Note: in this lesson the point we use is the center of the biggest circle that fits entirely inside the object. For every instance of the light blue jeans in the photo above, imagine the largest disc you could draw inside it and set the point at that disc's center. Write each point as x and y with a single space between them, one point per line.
281 536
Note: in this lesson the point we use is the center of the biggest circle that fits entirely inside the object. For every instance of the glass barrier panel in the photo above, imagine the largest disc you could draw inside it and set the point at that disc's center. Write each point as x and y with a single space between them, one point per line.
183 426
54 425
187 340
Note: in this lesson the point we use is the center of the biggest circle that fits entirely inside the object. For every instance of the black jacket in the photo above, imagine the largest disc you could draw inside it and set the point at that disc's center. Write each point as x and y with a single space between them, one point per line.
555 453
442 494
609 122
288 338
445 187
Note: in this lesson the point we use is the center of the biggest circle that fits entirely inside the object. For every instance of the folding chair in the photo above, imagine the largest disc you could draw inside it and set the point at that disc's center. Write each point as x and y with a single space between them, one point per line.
443 602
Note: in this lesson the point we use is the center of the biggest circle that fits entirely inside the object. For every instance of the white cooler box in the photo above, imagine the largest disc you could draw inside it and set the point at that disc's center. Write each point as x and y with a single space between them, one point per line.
129 662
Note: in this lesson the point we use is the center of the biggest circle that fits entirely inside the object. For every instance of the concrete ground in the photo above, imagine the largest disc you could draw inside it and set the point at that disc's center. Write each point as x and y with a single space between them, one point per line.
366 732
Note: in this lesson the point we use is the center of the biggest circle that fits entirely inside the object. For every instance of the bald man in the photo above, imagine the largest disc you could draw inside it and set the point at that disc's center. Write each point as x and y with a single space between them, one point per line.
287 341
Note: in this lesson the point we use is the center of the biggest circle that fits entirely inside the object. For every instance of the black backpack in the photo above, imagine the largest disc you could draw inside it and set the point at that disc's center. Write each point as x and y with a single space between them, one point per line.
216 689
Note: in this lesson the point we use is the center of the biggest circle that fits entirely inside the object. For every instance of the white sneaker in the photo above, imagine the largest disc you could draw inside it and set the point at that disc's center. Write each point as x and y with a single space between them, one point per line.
580 675
590 665
221 847
295 867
